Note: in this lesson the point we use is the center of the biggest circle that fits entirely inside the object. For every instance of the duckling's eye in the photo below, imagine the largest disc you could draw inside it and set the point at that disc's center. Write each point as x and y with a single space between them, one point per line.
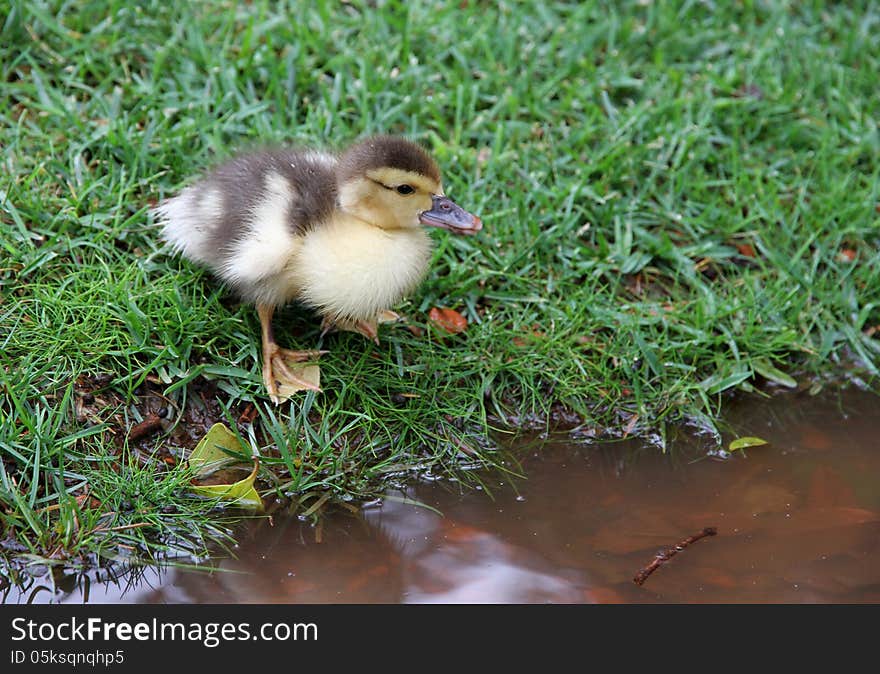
405 189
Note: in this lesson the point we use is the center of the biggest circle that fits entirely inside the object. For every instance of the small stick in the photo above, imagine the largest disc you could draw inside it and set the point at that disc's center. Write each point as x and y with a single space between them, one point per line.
665 555
151 423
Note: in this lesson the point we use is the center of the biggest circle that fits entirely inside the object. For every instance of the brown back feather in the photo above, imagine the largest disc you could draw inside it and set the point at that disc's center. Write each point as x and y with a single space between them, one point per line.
242 182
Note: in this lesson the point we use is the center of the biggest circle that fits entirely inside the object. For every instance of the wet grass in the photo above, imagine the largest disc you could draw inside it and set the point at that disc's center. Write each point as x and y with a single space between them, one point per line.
680 202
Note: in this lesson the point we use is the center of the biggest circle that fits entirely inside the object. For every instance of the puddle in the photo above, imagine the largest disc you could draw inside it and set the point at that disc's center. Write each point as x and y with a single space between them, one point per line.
798 521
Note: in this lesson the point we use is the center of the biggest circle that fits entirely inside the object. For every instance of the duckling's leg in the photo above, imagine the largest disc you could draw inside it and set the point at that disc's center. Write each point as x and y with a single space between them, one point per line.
369 329
275 367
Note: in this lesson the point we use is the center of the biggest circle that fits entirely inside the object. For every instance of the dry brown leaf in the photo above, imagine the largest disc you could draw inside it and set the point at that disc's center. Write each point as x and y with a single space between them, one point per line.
448 319
746 249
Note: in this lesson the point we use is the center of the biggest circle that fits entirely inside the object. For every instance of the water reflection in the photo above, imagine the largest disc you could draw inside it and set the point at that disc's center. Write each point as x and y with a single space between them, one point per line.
443 559
798 521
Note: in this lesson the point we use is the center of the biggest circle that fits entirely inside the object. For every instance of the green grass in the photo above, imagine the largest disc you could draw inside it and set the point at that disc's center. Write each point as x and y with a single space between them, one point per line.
679 202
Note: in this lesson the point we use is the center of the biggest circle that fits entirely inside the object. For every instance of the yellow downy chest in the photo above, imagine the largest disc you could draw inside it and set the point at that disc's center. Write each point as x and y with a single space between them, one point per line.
353 270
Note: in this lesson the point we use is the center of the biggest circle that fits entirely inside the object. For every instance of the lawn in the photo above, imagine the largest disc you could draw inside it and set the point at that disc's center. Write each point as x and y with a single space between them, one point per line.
680 201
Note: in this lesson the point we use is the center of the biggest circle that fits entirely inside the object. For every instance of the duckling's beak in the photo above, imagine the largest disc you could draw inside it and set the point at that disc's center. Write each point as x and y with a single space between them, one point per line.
447 214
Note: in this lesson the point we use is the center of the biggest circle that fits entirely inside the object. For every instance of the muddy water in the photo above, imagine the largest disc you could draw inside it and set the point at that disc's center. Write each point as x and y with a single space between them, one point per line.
798 520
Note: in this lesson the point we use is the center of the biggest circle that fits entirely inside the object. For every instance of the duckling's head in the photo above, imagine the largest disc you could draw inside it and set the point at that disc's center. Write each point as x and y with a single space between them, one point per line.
393 183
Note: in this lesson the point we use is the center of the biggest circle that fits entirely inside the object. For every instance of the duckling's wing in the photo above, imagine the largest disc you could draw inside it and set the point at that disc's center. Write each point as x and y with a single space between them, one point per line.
242 220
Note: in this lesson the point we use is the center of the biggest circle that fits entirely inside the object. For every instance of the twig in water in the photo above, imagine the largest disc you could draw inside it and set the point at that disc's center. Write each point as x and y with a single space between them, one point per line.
665 555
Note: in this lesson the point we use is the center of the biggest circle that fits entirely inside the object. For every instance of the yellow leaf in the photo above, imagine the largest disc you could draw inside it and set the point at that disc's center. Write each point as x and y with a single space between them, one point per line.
747 441
208 457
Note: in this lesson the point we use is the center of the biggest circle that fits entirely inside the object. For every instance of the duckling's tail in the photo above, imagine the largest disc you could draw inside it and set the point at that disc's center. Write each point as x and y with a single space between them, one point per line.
191 222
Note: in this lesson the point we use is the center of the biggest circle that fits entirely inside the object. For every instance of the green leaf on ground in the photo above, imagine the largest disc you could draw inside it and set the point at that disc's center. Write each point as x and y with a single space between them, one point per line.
209 457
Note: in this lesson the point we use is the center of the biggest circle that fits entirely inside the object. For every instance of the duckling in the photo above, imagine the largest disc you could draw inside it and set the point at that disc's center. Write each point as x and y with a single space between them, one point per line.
343 233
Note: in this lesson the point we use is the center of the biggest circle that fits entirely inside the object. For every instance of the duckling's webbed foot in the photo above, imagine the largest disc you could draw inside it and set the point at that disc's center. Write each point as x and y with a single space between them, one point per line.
369 329
282 380
279 376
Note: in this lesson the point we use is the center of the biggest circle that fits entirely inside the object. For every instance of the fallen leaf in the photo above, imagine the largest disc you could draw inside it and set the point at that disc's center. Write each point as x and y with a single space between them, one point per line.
248 415
307 373
747 441
631 424
746 249
208 457
448 319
